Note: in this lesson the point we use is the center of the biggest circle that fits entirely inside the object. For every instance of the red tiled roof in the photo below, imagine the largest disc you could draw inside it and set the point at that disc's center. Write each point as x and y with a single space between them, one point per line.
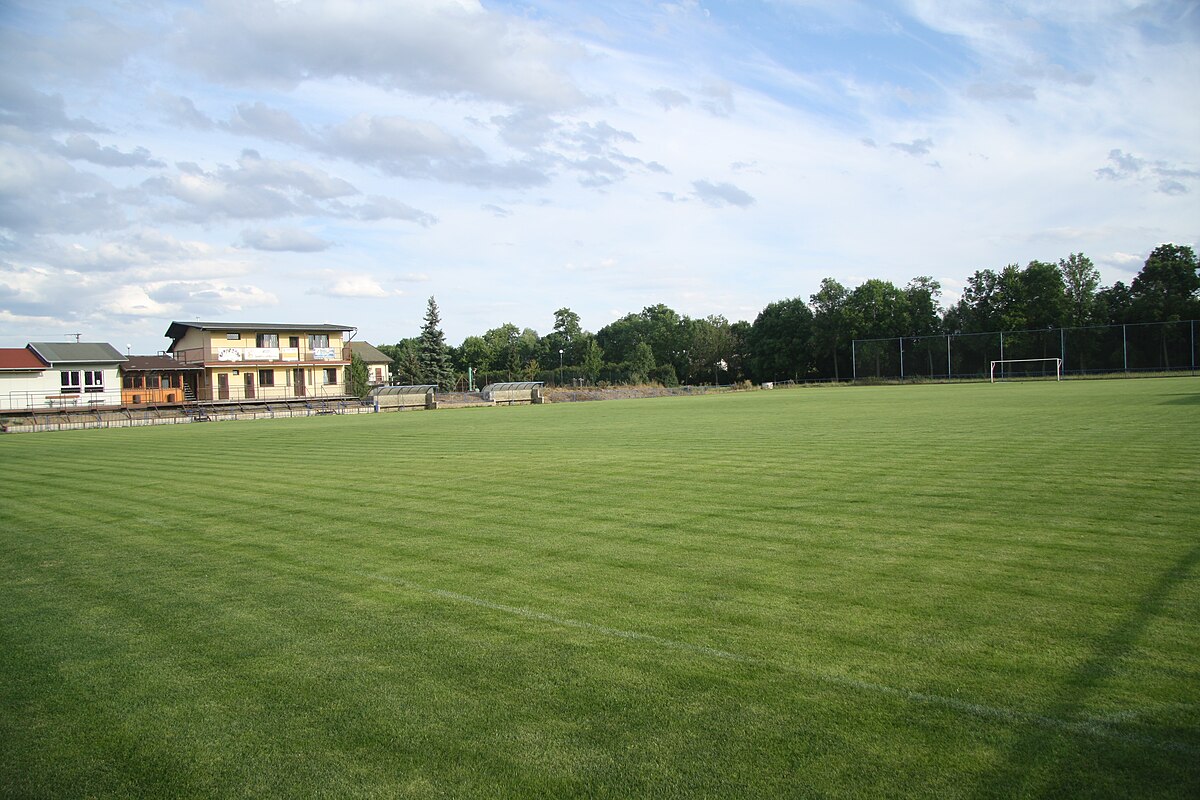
19 358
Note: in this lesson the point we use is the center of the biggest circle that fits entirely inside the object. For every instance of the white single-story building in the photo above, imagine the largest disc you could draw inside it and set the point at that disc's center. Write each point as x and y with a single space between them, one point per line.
49 375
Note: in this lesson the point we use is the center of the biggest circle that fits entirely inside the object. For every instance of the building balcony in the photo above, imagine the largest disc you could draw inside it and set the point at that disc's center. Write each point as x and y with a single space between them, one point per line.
216 356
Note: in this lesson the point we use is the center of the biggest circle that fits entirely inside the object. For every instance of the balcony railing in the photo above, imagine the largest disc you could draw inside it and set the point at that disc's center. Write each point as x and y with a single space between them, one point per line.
264 355
49 399
269 394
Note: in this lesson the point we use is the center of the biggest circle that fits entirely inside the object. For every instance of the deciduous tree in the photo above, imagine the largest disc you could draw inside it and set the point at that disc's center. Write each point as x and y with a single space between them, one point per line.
829 330
781 341
1081 281
1166 288
406 362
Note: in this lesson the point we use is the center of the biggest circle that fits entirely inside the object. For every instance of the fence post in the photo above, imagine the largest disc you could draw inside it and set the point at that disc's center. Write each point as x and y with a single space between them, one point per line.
1193 347
853 360
1062 349
901 358
949 374
1124 350
1002 354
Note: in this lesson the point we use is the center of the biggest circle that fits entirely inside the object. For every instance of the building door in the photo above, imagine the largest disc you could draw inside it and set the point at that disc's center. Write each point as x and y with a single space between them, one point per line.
299 382
249 395
223 386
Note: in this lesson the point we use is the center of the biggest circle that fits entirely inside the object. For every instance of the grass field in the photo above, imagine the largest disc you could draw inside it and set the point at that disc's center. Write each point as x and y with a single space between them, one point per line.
952 591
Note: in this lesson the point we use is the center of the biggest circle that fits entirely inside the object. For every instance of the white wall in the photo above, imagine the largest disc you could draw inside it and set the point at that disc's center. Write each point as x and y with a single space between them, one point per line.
24 391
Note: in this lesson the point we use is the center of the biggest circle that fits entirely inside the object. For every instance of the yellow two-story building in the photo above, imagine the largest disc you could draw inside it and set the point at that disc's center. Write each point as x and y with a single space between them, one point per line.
262 362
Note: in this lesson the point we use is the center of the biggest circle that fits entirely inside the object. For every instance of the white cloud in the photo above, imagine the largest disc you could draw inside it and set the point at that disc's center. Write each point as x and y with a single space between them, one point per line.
917 147
133 301
28 109
42 193
257 188
254 170
719 98
434 48
357 286
81 147
1170 179
670 98
142 249
283 240
376 208
181 111
211 297
85 44
258 119
722 194
1001 91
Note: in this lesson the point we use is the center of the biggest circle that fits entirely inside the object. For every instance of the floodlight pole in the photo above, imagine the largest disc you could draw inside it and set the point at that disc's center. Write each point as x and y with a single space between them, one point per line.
560 359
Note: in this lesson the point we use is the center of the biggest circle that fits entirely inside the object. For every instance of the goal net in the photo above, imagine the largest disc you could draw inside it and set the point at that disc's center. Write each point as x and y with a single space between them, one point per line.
1026 368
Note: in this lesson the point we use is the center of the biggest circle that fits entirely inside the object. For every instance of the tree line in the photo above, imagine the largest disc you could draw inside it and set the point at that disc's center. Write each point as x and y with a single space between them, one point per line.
798 338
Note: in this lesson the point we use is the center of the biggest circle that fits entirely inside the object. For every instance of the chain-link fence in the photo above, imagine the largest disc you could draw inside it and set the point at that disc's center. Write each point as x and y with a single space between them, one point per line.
1098 349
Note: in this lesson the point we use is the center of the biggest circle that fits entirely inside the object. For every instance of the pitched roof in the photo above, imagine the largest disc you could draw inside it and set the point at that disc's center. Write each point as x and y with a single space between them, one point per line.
156 364
20 359
178 329
76 352
369 353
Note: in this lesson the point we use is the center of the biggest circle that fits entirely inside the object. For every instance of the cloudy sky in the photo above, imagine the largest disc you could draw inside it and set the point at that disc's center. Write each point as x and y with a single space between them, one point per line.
341 161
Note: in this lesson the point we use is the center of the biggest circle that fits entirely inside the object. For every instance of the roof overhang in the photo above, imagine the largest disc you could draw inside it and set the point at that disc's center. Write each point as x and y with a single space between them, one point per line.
178 329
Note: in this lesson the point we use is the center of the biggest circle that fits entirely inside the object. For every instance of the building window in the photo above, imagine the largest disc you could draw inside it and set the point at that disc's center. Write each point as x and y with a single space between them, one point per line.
268 340
233 337
294 342
93 380
266 377
318 340
127 381
153 381
331 376
70 382
176 381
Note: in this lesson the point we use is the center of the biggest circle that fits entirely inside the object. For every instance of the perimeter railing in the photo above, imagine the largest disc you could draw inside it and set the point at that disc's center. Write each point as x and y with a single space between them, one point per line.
1164 347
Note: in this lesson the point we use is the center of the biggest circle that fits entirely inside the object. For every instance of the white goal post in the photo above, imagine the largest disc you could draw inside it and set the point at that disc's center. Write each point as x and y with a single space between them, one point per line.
1057 365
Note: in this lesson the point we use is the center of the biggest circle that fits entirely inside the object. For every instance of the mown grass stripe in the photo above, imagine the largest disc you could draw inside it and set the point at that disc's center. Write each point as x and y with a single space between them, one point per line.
1086 726
193 595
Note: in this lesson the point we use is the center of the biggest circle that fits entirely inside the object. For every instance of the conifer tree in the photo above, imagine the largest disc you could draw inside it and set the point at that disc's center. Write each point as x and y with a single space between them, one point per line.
433 353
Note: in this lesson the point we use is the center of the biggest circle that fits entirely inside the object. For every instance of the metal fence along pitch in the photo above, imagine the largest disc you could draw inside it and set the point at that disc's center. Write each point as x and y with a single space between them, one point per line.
1095 349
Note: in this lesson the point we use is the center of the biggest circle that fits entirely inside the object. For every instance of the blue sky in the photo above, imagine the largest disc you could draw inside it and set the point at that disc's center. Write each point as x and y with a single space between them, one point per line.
340 161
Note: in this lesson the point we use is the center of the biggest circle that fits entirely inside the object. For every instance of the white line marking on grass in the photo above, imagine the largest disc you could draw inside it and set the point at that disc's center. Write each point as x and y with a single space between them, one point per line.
1088 726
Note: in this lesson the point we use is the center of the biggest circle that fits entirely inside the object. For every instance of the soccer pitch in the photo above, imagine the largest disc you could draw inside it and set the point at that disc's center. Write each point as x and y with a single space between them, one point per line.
953 591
